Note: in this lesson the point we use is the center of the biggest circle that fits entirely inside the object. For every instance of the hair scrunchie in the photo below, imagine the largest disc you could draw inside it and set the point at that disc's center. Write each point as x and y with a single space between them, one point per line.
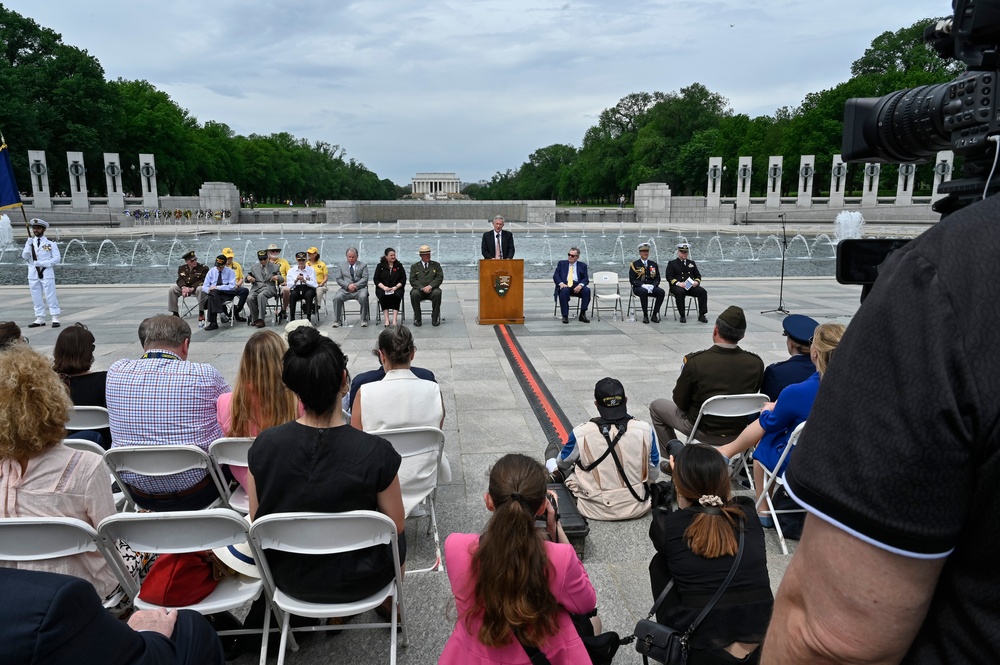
711 500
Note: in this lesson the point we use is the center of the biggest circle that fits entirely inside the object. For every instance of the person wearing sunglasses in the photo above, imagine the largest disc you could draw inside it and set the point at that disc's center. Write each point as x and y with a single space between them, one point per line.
571 281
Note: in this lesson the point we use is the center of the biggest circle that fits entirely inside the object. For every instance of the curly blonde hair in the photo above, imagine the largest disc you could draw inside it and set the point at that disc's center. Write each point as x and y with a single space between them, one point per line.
34 405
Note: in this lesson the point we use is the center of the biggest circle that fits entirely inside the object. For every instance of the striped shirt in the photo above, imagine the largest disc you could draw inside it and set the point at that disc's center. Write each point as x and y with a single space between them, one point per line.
164 401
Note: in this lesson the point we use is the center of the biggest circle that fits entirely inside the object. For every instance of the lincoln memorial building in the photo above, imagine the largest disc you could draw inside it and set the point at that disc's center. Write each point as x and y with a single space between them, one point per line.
436 183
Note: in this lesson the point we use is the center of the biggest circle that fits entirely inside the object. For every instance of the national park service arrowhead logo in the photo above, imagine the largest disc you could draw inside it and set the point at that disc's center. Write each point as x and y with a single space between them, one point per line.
501 283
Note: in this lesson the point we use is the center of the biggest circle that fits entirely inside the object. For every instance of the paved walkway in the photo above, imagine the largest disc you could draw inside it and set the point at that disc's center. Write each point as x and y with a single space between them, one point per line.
488 415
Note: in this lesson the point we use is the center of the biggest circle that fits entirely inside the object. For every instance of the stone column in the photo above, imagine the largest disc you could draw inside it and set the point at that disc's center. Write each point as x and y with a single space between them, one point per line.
652 203
774 170
217 197
743 173
113 181
943 166
78 181
147 178
838 181
869 193
904 184
713 190
807 171
40 192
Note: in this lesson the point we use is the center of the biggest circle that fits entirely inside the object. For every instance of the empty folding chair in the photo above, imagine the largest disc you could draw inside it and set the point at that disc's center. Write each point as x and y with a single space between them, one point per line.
606 290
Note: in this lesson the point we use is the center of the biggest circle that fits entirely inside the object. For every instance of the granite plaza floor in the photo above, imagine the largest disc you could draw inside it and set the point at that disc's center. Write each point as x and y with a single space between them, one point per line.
488 415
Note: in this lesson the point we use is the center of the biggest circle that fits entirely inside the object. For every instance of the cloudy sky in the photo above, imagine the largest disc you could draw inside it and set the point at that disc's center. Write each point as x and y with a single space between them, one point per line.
469 87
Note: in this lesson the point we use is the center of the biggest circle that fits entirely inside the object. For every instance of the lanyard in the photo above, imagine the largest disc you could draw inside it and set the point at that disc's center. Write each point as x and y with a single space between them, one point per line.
160 354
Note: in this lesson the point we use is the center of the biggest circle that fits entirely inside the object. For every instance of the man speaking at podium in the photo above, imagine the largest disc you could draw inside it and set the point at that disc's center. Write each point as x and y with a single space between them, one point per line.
498 244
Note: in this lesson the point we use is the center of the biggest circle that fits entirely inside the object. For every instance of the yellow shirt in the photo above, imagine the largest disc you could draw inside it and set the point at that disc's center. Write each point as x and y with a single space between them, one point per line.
283 265
321 272
239 272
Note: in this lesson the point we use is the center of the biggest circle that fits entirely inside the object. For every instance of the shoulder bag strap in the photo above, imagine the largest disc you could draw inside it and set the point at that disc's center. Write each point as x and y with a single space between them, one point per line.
622 427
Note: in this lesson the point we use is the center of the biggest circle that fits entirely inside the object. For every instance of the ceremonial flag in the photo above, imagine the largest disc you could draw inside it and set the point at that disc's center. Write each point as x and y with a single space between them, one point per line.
9 196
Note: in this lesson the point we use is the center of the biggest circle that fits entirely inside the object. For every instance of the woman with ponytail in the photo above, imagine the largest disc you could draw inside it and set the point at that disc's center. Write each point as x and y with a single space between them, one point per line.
696 546
515 588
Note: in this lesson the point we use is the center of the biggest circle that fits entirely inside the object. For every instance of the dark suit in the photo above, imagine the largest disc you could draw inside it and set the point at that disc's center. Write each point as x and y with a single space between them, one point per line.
57 619
563 294
420 277
678 271
490 245
638 276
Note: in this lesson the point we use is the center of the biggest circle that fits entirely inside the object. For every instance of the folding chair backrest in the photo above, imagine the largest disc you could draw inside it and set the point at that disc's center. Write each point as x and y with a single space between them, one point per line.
83 444
606 278
176 531
793 439
730 406
88 418
231 450
322 533
162 461
421 449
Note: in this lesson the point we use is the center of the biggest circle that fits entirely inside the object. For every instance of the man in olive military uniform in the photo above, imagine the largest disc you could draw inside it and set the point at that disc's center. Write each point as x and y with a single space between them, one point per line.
723 369
644 275
425 278
685 281
190 277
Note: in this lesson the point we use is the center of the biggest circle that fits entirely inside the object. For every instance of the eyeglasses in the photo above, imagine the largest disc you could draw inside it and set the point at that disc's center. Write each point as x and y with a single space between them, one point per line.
643 251
572 256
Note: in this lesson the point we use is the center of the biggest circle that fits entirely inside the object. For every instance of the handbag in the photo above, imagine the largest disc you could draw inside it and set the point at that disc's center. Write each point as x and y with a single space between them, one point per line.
667 645
179 580
601 648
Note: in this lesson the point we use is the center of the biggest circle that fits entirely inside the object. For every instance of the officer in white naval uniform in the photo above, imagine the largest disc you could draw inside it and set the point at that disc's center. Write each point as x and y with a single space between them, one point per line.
42 256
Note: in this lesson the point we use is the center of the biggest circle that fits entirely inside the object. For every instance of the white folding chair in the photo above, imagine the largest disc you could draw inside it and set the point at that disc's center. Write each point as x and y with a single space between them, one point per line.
327 533
358 310
88 418
603 284
671 303
165 460
421 449
121 500
777 477
232 450
189 531
188 309
730 406
41 538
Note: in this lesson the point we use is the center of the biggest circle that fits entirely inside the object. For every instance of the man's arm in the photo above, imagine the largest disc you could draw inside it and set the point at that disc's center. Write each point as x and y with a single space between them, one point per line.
438 278
343 281
487 248
684 388
845 601
361 281
510 237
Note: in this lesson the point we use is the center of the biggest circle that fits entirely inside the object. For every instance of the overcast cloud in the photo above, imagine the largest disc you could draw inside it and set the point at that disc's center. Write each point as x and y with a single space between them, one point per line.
470 87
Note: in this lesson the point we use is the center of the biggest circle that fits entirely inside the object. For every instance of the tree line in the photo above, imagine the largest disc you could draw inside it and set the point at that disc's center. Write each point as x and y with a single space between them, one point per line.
669 137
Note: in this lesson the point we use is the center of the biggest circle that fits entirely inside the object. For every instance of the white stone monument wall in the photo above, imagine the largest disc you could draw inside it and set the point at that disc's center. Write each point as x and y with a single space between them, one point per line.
41 192
774 171
807 173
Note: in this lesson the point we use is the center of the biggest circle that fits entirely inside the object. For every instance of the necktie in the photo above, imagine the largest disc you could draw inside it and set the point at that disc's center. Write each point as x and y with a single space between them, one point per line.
218 282
352 272
499 255
569 278
425 266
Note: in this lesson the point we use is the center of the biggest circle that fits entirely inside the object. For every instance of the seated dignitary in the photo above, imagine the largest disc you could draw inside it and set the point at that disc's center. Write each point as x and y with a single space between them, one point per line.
722 369
322 274
162 399
264 280
190 277
798 332
352 278
644 276
390 276
498 244
425 279
685 281
274 253
571 280
301 282
58 619
220 285
609 460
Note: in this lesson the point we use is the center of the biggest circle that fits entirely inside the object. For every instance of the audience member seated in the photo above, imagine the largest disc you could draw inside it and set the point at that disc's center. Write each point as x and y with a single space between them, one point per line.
696 545
771 430
74 356
609 461
40 477
162 399
722 369
514 589
377 375
798 332
58 619
10 333
259 399
319 463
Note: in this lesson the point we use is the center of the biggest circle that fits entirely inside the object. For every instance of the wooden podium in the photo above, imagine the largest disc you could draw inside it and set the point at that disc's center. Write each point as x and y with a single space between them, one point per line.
496 277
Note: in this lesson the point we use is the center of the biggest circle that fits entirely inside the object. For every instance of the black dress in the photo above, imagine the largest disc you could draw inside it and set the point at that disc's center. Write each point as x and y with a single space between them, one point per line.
743 612
89 390
304 469
395 276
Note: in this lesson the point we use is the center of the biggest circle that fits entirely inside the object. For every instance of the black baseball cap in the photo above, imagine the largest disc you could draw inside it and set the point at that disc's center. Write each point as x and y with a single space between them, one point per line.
610 396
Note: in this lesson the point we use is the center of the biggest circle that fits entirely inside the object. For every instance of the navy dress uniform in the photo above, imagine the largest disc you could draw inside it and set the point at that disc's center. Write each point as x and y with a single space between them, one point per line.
42 256
644 276
679 271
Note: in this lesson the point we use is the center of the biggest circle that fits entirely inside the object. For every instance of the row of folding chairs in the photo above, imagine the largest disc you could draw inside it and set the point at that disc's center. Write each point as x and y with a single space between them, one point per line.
25 539
607 297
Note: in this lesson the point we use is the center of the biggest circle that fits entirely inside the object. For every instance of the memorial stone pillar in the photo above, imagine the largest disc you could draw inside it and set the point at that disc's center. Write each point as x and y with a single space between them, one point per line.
838 181
78 181
869 194
774 181
40 192
943 166
743 173
807 171
147 177
904 184
714 188
113 180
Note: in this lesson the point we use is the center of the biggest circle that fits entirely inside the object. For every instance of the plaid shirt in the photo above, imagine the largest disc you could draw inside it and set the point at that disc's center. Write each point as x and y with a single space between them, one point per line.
162 401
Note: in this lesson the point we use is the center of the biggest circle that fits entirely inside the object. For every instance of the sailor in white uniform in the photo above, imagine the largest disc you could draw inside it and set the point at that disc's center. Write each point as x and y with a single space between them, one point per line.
42 256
